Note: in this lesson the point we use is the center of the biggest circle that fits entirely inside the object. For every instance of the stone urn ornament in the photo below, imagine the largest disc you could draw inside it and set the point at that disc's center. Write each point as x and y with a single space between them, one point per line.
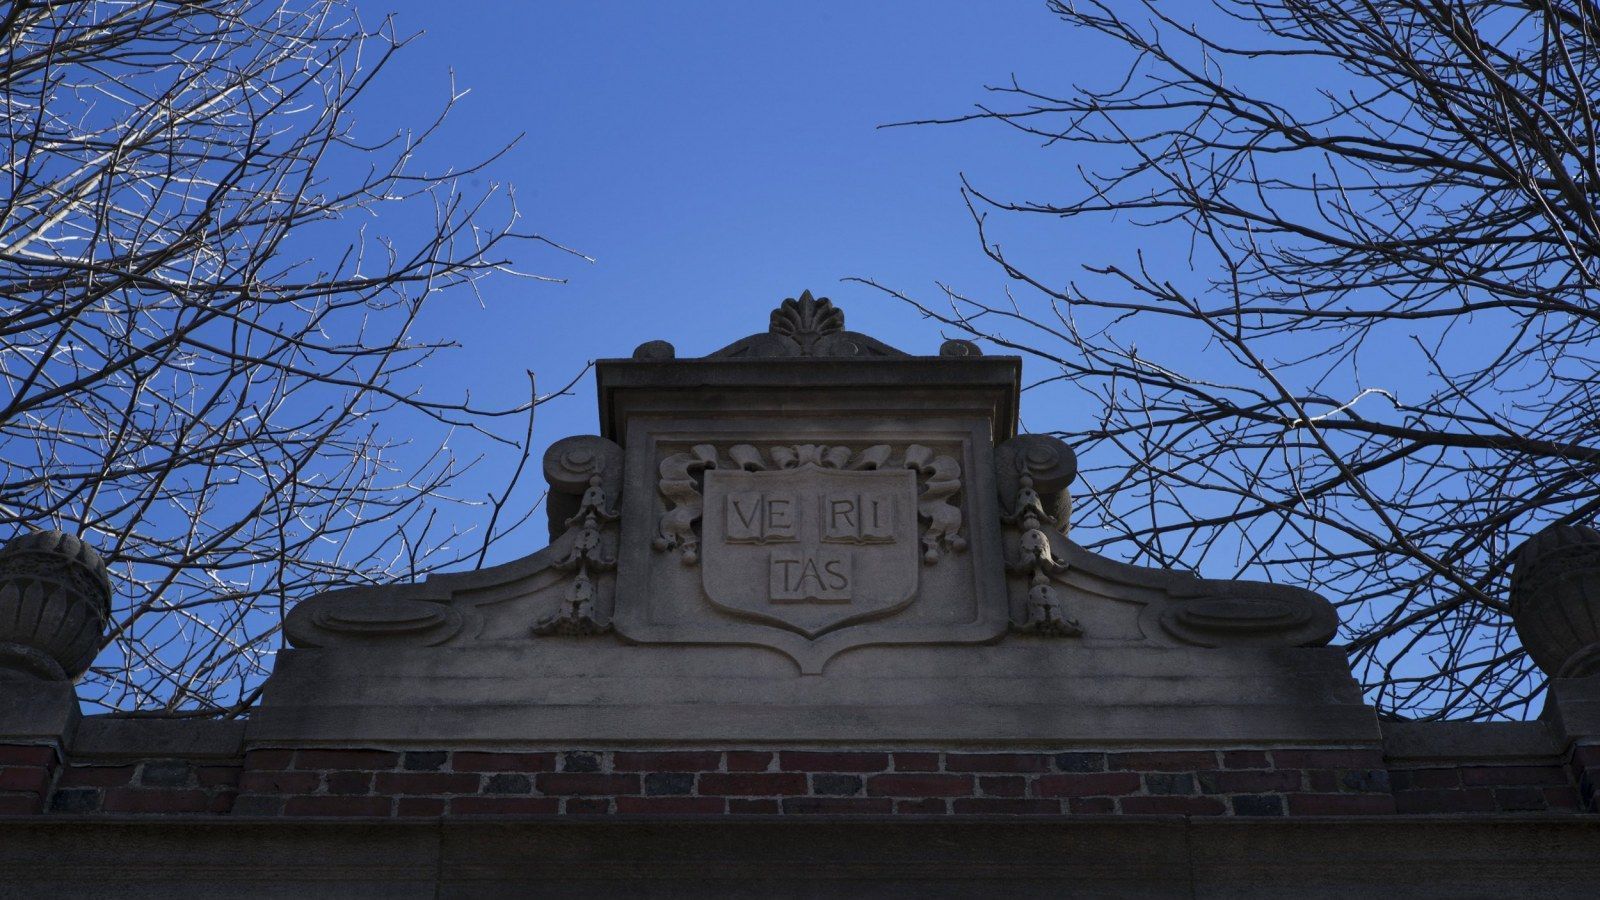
55 598
1555 599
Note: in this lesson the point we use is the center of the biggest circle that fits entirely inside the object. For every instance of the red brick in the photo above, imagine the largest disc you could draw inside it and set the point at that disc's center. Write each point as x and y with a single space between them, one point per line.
746 806
587 806
95 776
419 806
336 806
504 806
753 784
268 759
1520 799
131 800
590 783
1508 775
279 782
838 805
1408 779
20 804
27 755
1272 781
675 761
671 805
471 761
1093 806
916 762
1163 761
1586 756
348 782
1321 781
1185 806
1560 798
222 801
915 785
346 759
1006 807
1244 759
1446 801
24 778
812 761
1328 759
748 761
218 776
427 783
1340 804
996 762
1003 785
928 806
1086 784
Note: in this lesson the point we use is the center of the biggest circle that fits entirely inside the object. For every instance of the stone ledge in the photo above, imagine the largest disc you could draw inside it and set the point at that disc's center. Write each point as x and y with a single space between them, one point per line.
1151 856
1457 742
111 737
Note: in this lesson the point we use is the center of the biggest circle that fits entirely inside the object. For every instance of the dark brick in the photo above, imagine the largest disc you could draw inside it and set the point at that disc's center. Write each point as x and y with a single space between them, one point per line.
811 761
504 806
749 761
836 785
673 761
916 762
1321 781
1092 806
336 806
133 800
27 755
348 782
586 806
1520 799
1003 785
590 783
1365 780
747 806
1087 784
1512 775
580 761
662 783
419 806
1340 804
274 782
222 801
1244 759
1163 761
19 804
927 806
996 762
473 761
917 785
25 778
260 760
258 805
1241 782
1328 759
425 761
165 773
346 759
429 783
508 783
217 776
1561 798
1445 801
1169 783
75 800
1003 806
671 805
1080 762
1258 805
752 784
837 805
1185 806
95 776
1413 779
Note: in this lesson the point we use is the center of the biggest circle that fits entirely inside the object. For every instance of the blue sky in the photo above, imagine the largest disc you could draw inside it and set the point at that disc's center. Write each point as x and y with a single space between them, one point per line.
716 157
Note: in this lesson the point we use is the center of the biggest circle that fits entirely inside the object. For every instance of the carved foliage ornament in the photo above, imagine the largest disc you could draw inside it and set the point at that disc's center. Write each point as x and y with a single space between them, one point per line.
682 474
1033 472
589 469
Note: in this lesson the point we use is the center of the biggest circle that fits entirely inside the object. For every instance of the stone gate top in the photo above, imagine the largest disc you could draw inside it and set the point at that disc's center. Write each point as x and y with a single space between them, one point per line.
811 535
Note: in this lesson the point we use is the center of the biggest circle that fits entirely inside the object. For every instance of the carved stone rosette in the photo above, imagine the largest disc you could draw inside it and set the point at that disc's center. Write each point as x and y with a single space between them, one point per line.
939 477
585 475
1032 474
55 597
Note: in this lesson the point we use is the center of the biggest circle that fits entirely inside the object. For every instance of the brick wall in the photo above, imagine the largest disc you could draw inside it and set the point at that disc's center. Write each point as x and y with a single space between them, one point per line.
146 786
25 776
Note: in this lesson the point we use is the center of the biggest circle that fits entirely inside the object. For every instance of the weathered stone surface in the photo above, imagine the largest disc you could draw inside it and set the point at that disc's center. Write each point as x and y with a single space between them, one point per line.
55 596
1555 599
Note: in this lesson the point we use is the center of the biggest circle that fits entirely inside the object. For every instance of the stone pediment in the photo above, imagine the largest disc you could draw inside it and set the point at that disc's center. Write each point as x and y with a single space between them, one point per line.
775 510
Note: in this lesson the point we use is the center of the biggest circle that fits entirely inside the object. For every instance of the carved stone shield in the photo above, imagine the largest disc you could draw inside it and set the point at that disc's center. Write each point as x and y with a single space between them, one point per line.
810 548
